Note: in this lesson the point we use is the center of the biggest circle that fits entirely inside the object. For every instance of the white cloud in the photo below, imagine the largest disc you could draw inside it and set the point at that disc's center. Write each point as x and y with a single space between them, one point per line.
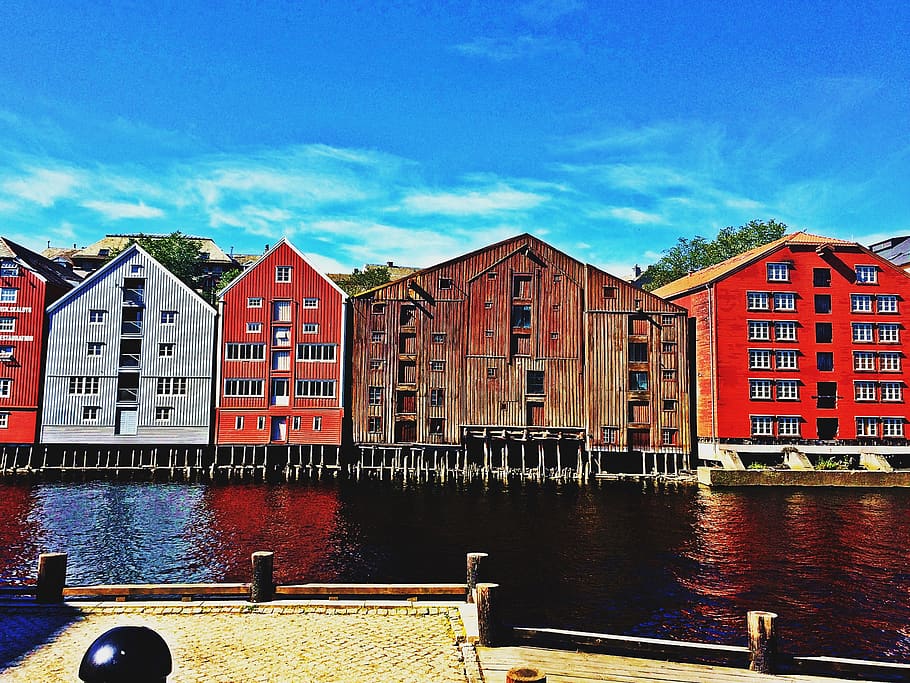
116 211
43 186
472 202
630 215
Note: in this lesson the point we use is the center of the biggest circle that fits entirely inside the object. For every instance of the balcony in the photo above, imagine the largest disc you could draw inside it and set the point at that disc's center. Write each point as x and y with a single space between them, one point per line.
128 395
131 327
129 361
134 297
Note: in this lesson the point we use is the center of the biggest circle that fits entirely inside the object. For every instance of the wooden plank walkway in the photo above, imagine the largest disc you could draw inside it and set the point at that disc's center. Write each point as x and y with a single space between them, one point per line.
580 667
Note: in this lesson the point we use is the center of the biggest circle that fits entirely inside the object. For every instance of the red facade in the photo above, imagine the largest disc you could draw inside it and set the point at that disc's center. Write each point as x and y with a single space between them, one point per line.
281 352
801 341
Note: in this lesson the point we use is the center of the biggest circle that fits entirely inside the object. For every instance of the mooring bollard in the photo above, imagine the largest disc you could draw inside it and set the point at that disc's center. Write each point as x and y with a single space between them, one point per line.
51 577
262 588
489 629
475 562
762 628
126 654
526 674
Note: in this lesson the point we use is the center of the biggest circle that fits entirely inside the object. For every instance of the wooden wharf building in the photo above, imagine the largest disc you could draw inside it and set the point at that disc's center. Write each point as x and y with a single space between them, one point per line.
517 357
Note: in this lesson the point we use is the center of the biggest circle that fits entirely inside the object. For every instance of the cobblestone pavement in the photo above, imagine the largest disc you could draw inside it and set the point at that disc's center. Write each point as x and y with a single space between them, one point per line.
246 642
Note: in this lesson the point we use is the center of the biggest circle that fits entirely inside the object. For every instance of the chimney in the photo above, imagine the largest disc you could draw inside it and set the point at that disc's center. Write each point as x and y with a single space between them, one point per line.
266 247
390 264
48 244
636 271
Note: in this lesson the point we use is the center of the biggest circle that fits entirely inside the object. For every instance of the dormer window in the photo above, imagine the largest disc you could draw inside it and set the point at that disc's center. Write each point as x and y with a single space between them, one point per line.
104 253
866 275
778 272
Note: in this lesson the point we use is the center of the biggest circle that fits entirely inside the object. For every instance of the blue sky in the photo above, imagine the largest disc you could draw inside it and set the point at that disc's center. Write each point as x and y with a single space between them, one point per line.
413 132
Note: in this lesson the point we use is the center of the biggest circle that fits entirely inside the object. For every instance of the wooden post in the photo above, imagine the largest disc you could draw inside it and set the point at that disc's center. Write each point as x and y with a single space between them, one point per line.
526 674
762 641
475 562
51 577
262 587
489 630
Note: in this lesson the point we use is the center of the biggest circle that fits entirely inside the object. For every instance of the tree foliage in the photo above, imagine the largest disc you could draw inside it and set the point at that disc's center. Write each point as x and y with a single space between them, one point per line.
176 252
689 255
362 280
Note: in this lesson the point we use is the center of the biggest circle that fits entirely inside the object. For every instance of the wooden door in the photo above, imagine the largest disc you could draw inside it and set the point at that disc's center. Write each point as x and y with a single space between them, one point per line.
535 414
127 420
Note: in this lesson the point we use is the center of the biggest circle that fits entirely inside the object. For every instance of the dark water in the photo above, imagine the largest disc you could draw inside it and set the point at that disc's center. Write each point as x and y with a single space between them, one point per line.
681 563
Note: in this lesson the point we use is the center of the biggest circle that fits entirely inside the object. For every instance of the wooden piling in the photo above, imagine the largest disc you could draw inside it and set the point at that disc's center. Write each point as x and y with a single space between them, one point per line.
489 630
526 674
51 577
262 587
762 628
475 564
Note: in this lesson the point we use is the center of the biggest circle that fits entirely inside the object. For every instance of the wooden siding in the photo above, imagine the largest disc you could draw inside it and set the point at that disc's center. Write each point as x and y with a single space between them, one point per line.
70 332
259 282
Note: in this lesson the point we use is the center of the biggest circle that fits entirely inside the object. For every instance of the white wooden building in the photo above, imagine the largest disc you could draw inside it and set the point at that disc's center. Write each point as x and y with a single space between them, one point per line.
130 358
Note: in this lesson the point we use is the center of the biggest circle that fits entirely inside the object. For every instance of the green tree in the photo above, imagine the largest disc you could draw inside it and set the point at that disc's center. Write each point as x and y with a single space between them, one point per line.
176 252
362 280
689 255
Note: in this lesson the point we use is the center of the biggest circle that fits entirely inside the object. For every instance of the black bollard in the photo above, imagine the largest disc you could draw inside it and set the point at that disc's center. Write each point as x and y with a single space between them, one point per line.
126 654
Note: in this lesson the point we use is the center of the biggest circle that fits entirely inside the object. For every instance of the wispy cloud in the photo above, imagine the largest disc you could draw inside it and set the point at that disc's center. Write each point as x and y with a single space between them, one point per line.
43 186
634 216
505 49
472 202
116 211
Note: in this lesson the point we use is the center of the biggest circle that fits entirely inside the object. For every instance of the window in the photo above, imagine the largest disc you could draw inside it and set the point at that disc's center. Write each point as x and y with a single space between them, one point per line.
310 328
253 328
863 361
823 333
787 390
163 413
9 268
295 423
281 311
670 405
374 424
491 275
864 391
762 425
260 422
488 305
315 388
862 333
535 381
439 337
668 437
785 331
759 330
445 283
171 386
95 349
638 353
609 292
244 387
488 333
668 375
668 347
610 435
317 352
866 426
374 396
254 302
892 392
282 273
238 422
281 336
822 303
377 337
778 272
7 352
889 361
375 363
760 389
168 317
437 426
786 360
377 308
521 317
91 413
666 320
821 277
6 388
888 333
824 361
866 275
437 366
638 381
892 426
244 351
861 303
7 324
557 307
96 316
788 426
317 423
887 303
491 373
784 301
81 385
437 397
104 253
310 302
759 359
4 420
8 295
757 301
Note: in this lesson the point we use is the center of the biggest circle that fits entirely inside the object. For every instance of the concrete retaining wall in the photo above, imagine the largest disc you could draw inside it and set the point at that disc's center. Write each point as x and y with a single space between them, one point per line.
711 476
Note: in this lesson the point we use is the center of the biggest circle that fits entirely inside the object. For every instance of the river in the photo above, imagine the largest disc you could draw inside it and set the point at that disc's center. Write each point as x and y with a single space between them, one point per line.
678 562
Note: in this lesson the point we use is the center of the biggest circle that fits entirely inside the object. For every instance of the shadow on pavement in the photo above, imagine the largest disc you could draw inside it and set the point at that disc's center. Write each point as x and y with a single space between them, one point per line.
26 628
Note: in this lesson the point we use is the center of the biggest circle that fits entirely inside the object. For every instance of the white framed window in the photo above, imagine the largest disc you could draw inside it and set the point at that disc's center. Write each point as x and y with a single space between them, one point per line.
6 388
762 425
445 283
376 363
310 302
889 333
784 301
7 324
239 351
861 303
136 269
759 359
4 420
168 317
863 361
238 422
317 423
167 350
295 423
760 389
867 426
887 303
96 316
91 414
253 328
377 308
310 328
94 349
377 337
244 387
787 360
785 330
889 361
163 413
892 392
864 391
757 301
863 333
437 366
439 337
254 302
778 272
787 390
892 426
788 425
7 352
8 295
9 268
324 353
315 388
83 385
260 422
759 330
374 424
282 273
866 275
171 386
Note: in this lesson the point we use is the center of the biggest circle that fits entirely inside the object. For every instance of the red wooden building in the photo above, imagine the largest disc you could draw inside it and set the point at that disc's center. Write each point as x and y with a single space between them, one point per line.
28 284
281 354
799 342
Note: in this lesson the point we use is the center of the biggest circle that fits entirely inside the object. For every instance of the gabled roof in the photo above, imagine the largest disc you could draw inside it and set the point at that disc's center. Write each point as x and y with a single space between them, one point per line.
114 263
895 249
51 272
721 270
283 240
